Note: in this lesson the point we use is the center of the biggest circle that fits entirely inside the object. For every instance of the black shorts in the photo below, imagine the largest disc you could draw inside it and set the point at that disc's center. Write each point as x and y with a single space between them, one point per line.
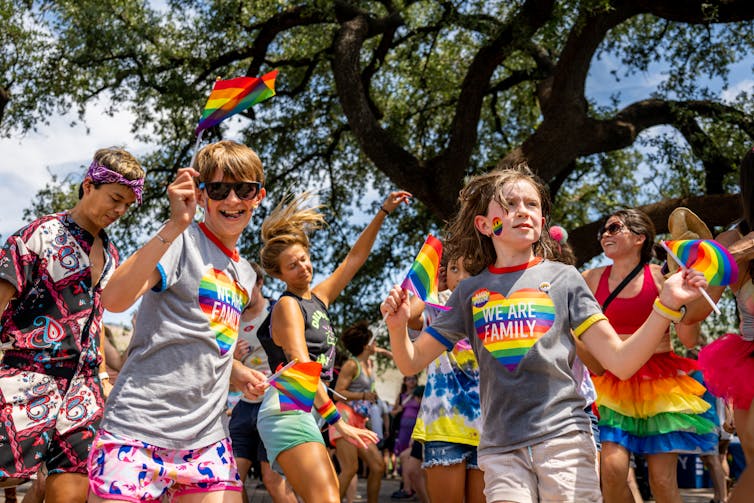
244 434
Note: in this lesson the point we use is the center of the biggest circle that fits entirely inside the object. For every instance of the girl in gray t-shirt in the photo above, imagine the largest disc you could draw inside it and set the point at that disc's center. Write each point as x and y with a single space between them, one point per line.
521 314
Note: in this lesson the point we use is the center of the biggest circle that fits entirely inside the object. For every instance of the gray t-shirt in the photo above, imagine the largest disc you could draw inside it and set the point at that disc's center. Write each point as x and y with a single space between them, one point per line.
171 391
519 322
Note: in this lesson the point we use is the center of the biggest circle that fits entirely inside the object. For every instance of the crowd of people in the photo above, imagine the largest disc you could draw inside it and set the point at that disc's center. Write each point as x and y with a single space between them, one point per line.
540 383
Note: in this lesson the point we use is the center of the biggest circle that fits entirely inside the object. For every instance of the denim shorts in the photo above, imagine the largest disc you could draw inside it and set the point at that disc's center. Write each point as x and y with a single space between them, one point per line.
448 454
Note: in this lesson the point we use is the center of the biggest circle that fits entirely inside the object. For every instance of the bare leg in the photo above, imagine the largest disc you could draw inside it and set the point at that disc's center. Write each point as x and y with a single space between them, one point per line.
310 472
447 483
717 475
66 488
412 469
614 463
373 460
279 489
663 477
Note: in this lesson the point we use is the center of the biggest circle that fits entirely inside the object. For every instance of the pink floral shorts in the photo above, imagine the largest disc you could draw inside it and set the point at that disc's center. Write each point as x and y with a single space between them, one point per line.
130 470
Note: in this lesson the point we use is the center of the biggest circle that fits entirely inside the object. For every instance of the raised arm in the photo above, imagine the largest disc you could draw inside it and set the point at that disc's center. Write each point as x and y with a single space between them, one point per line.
139 272
410 357
331 287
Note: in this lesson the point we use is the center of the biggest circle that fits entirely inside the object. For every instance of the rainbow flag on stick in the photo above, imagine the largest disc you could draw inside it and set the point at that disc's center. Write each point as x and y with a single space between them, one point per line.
229 97
707 256
422 277
297 383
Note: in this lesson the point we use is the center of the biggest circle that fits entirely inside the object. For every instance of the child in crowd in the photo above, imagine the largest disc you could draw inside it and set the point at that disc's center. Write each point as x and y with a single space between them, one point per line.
164 430
300 325
521 314
52 273
449 417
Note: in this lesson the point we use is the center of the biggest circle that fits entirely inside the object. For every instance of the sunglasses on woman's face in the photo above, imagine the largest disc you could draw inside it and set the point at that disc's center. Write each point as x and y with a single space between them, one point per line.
217 191
611 230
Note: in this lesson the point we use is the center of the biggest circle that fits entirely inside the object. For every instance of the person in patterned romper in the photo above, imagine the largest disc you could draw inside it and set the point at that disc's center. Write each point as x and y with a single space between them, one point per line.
52 273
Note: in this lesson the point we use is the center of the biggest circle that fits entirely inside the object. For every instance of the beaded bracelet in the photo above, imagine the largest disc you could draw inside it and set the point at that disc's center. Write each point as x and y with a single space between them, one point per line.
329 413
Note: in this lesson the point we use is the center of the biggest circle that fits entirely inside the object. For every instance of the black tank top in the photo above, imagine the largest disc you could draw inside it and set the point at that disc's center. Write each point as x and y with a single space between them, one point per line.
318 332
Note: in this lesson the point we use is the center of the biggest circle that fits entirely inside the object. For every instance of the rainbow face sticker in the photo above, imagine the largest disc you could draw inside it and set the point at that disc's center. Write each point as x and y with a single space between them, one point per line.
510 326
222 300
497 226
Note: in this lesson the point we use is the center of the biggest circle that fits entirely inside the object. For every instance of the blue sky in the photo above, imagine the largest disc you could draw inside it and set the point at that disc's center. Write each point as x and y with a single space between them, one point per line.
27 162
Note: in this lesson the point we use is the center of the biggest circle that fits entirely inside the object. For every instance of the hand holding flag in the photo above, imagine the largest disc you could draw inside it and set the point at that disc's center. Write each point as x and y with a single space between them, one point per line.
422 277
707 256
297 384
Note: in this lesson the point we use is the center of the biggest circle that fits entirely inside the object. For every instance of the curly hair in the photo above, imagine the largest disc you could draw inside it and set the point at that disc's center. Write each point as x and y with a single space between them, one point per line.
288 224
462 238
356 337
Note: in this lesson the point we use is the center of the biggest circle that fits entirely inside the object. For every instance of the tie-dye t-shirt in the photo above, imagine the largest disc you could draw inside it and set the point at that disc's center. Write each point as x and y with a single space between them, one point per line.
171 391
519 323
450 410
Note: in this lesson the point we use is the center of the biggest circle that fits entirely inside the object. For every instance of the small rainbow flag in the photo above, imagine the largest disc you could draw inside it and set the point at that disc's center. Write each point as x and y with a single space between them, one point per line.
229 97
422 277
707 256
297 385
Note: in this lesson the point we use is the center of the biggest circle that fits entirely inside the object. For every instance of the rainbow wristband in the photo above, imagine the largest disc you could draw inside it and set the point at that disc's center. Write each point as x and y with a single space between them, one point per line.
329 413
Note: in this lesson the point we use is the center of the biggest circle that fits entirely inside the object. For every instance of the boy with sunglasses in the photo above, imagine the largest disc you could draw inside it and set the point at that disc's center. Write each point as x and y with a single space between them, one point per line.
52 273
163 431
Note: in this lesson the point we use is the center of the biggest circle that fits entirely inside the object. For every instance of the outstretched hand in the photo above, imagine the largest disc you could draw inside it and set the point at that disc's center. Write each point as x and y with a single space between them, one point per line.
356 436
682 287
182 196
395 198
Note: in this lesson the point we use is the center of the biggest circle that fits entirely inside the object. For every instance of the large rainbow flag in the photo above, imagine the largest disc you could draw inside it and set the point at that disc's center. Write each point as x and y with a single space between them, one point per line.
422 276
229 97
297 386
707 256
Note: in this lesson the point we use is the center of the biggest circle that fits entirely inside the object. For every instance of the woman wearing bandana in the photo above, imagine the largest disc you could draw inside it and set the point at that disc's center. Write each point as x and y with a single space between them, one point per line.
52 273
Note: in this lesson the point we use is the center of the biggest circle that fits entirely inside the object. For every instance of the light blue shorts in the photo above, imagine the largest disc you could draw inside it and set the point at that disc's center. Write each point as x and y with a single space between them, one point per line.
281 431
448 454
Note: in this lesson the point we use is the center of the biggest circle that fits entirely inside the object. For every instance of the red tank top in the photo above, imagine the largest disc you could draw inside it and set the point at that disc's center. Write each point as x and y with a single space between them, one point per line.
627 315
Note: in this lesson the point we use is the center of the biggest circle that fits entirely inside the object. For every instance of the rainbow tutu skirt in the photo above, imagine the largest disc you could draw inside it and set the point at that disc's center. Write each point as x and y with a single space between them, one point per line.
728 368
659 409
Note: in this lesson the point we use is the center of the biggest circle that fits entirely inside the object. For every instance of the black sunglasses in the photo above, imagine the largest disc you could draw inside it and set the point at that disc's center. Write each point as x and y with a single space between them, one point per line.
611 230
218 191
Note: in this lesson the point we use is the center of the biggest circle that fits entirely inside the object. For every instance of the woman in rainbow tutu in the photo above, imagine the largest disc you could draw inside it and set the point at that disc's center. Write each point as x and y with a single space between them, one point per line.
658 412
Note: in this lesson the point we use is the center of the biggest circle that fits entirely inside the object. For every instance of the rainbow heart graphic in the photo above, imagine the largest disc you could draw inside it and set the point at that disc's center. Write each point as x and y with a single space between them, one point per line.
509 326
222 300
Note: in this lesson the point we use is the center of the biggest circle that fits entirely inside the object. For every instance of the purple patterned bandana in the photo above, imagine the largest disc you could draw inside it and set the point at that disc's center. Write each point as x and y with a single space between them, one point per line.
100 174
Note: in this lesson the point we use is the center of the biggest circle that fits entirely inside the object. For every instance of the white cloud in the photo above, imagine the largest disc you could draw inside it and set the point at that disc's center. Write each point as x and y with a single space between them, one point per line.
26 162
729 95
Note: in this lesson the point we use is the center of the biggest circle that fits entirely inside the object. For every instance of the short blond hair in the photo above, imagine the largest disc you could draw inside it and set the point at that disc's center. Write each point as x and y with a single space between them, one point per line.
237 161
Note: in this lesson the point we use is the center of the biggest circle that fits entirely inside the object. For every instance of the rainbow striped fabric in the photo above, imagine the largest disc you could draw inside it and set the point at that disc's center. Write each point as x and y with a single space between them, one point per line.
709 257
229 97
422 276
510 326
297 386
